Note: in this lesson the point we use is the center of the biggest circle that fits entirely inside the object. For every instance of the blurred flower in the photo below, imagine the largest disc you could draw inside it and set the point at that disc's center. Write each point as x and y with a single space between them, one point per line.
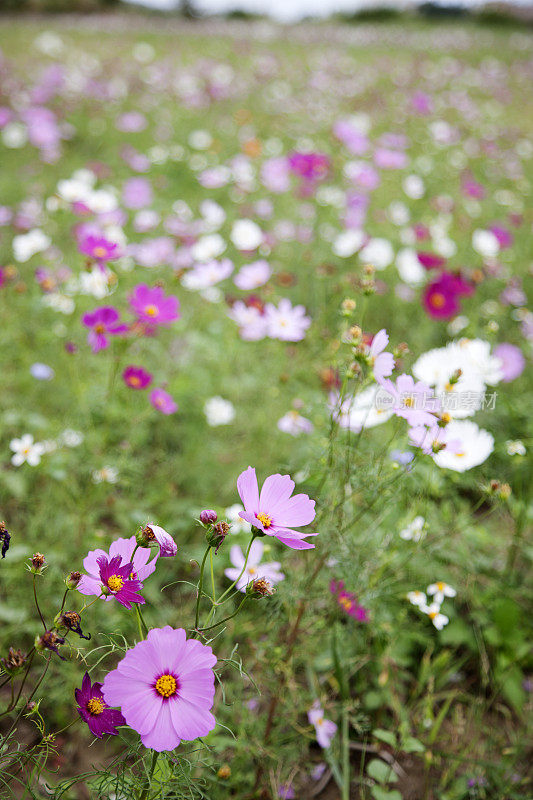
246 235
286 322
99 248
42 372
325 728
136 377
512 359
93 709
152 306
105 475
476 445
163 401
415 530
252 275
254 569
25 449
417 598
433 611
348 601
294 423
275 509
516 448
238 524
219 411
165 688
103 322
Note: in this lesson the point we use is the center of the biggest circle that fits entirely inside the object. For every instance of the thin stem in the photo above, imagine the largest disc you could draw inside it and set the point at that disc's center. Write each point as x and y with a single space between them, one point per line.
143 627
237 579
64 600
209 627
345 756
15 723
200 582
37 603
146 791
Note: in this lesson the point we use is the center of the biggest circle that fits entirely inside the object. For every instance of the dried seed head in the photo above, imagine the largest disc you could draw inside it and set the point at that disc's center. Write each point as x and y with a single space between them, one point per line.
72 580
14 661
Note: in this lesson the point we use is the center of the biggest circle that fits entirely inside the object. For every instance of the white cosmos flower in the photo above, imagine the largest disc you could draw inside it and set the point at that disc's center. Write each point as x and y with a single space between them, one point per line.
440 590
59 302
14 135
409 267
26 450
246 235
516 448
487 366
26 245
105 475
96 282
208 247
433 612
417 598
413 186
415 530
348 243
378 253
219 411
363 411
238 525
213 215
485 243
476 445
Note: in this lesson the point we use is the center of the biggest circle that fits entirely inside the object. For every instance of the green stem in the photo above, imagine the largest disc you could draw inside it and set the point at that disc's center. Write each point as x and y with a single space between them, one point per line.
199 590
209 627
37 603
237 579
143 627
345 756
146 791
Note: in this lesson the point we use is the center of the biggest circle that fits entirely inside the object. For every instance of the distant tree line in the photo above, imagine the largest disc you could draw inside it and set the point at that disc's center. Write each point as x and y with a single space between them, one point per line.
56 5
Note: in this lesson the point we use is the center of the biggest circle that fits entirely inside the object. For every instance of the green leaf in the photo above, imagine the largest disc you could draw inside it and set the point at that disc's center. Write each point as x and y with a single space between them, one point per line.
381 772
412 745
379 793
385 736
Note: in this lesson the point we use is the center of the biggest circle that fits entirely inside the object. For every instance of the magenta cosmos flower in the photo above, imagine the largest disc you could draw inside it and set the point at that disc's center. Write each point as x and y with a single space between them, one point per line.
103 323
165 687
152 306
136 377
129 553
275 511
94 710
163 401
99 248
348 601
116 581
441 297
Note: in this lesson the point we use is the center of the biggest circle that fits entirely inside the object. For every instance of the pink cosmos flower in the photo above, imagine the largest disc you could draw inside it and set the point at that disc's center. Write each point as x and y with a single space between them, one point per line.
412 400
163 401
381 361
294 423
513 361
433 439
270 570
104 322
167 545
252 323
252 275
348 601
152 306
286 322
94 710
137 193
309 166
430 260
116 581
350 135
99 248
275 510
325 728
440 297
165 687
136 377
91 583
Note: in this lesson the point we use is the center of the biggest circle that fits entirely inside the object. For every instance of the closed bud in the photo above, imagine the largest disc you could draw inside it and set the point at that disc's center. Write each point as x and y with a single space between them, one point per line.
208 516
224 772
401 349
348 306
72 580
505 491
14 661
5 538
37 563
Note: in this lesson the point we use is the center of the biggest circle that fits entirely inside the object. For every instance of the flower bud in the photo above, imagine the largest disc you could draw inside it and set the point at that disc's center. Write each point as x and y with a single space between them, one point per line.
72 580
224 772
37 564
505 491
348 306
14 661
49 640
208 516
216 535
5 538
259 588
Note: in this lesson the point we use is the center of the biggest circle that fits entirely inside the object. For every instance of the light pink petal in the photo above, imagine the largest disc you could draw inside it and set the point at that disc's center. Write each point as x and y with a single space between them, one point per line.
141 708
123 548
250 517
140 565
236 556
233 574
189 720
89 585
90 563
167 647
297 510
162 736
198 687
379 342
275 492
248 490
383 366
291 539
194 655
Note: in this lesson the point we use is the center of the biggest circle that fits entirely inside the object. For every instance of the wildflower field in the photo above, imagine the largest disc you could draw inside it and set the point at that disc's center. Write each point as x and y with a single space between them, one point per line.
265 472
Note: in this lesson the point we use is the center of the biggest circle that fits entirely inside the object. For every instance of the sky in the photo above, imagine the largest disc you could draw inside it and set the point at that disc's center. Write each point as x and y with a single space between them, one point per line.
292 10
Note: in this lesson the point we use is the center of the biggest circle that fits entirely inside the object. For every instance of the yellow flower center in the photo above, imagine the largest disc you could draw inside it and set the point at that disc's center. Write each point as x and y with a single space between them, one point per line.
432 614
134 380
440 585
95 706
264 519
99 252
99 328
437 300
409 402
346 603
320 721
166 685
151 310
115 583
252 570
